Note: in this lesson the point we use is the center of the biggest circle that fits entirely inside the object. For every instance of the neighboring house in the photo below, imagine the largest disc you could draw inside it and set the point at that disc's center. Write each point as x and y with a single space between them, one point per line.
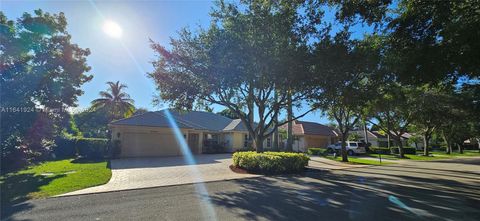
375 138
379 139
152 133
310 134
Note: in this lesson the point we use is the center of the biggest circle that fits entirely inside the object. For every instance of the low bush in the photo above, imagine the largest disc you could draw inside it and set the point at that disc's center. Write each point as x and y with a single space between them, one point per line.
92 147
316 151
379 150
270 162
406 150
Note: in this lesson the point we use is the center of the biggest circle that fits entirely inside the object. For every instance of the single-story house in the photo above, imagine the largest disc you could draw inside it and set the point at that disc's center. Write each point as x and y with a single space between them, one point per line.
379 139
310 134
154 134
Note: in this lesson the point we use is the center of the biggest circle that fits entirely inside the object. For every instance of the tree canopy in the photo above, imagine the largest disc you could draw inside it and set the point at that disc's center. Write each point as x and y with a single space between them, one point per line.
41 74
249 53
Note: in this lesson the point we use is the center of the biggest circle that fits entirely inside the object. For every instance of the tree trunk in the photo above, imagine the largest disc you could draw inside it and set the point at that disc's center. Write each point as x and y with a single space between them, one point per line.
388 140
365 133
400 148
290 123
460 148
275 138
425 145
344 148
275 133
478 143
259 144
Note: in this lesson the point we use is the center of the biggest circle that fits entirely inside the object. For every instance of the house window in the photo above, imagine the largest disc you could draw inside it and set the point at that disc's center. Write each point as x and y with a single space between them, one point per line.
269 142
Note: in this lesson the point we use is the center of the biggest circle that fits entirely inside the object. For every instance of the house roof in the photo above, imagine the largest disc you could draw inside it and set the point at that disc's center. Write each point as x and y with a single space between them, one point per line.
235 125
310 128
378 134
198 120
151 119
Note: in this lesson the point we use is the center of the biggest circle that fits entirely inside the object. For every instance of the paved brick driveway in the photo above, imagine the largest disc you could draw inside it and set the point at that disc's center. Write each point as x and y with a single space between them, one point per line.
135 173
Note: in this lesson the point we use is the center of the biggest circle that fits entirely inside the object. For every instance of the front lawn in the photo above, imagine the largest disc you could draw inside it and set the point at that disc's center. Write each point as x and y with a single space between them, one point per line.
356 160
466 153
52 178
435 155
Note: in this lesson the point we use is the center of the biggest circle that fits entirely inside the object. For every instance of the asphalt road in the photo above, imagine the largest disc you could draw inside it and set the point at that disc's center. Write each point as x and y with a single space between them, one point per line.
447 190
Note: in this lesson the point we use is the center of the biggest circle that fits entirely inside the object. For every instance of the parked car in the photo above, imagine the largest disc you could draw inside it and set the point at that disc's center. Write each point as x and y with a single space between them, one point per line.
353 148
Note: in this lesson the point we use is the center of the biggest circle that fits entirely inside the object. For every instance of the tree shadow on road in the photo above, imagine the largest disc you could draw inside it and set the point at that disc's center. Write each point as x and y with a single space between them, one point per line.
351 195
15 190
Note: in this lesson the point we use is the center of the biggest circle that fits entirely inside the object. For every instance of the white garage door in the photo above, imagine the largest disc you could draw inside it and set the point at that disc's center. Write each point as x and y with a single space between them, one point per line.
149 145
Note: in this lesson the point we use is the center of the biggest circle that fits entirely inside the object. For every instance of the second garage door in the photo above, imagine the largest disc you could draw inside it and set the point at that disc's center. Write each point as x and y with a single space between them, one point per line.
149 145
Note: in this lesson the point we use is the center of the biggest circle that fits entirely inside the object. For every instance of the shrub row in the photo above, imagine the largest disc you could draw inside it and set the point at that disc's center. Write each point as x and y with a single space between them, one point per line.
406 150
316 151
379 150
270 162
392 150
79 146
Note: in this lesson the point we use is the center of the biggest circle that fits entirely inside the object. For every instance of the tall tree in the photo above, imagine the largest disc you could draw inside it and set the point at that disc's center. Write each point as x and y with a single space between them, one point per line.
393 110
115 100
460 119
40 68
93 122
430 116
251 50
343 69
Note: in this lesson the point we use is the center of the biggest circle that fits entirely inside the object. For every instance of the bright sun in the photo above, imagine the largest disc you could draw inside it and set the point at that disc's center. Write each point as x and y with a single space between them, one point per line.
112 29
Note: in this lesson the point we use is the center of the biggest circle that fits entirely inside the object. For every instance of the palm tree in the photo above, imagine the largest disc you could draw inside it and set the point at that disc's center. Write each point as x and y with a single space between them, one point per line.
115 101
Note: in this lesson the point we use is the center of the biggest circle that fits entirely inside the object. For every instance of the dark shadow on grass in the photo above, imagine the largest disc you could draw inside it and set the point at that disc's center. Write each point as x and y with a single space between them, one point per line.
15 189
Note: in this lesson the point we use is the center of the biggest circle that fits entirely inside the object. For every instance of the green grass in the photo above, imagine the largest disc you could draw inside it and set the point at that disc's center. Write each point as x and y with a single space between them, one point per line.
384 156
355 160
435 155
466 153
52 178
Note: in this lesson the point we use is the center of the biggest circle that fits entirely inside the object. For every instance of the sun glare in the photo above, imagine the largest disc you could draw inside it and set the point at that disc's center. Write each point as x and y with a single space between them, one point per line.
112 29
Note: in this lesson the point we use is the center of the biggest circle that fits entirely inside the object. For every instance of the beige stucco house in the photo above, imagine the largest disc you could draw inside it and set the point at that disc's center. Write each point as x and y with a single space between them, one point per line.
170 133
310 134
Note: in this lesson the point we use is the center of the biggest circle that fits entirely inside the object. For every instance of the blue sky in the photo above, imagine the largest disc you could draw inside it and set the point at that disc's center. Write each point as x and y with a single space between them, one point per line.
128 58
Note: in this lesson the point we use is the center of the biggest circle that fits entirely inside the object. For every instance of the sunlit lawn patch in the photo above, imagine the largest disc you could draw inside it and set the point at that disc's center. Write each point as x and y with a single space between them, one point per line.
434 155
52 178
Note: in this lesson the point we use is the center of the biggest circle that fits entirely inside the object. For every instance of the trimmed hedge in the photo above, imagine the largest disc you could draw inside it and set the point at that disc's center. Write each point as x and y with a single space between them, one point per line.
64 147
316 151
379 150
92 147
392 150
79 146
270 162
406 150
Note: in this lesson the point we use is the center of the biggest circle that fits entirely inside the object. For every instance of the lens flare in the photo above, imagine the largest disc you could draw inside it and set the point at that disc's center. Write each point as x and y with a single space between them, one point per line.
208 211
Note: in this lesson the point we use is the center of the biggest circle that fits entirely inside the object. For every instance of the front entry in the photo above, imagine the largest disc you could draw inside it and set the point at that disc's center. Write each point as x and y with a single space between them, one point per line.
193 143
